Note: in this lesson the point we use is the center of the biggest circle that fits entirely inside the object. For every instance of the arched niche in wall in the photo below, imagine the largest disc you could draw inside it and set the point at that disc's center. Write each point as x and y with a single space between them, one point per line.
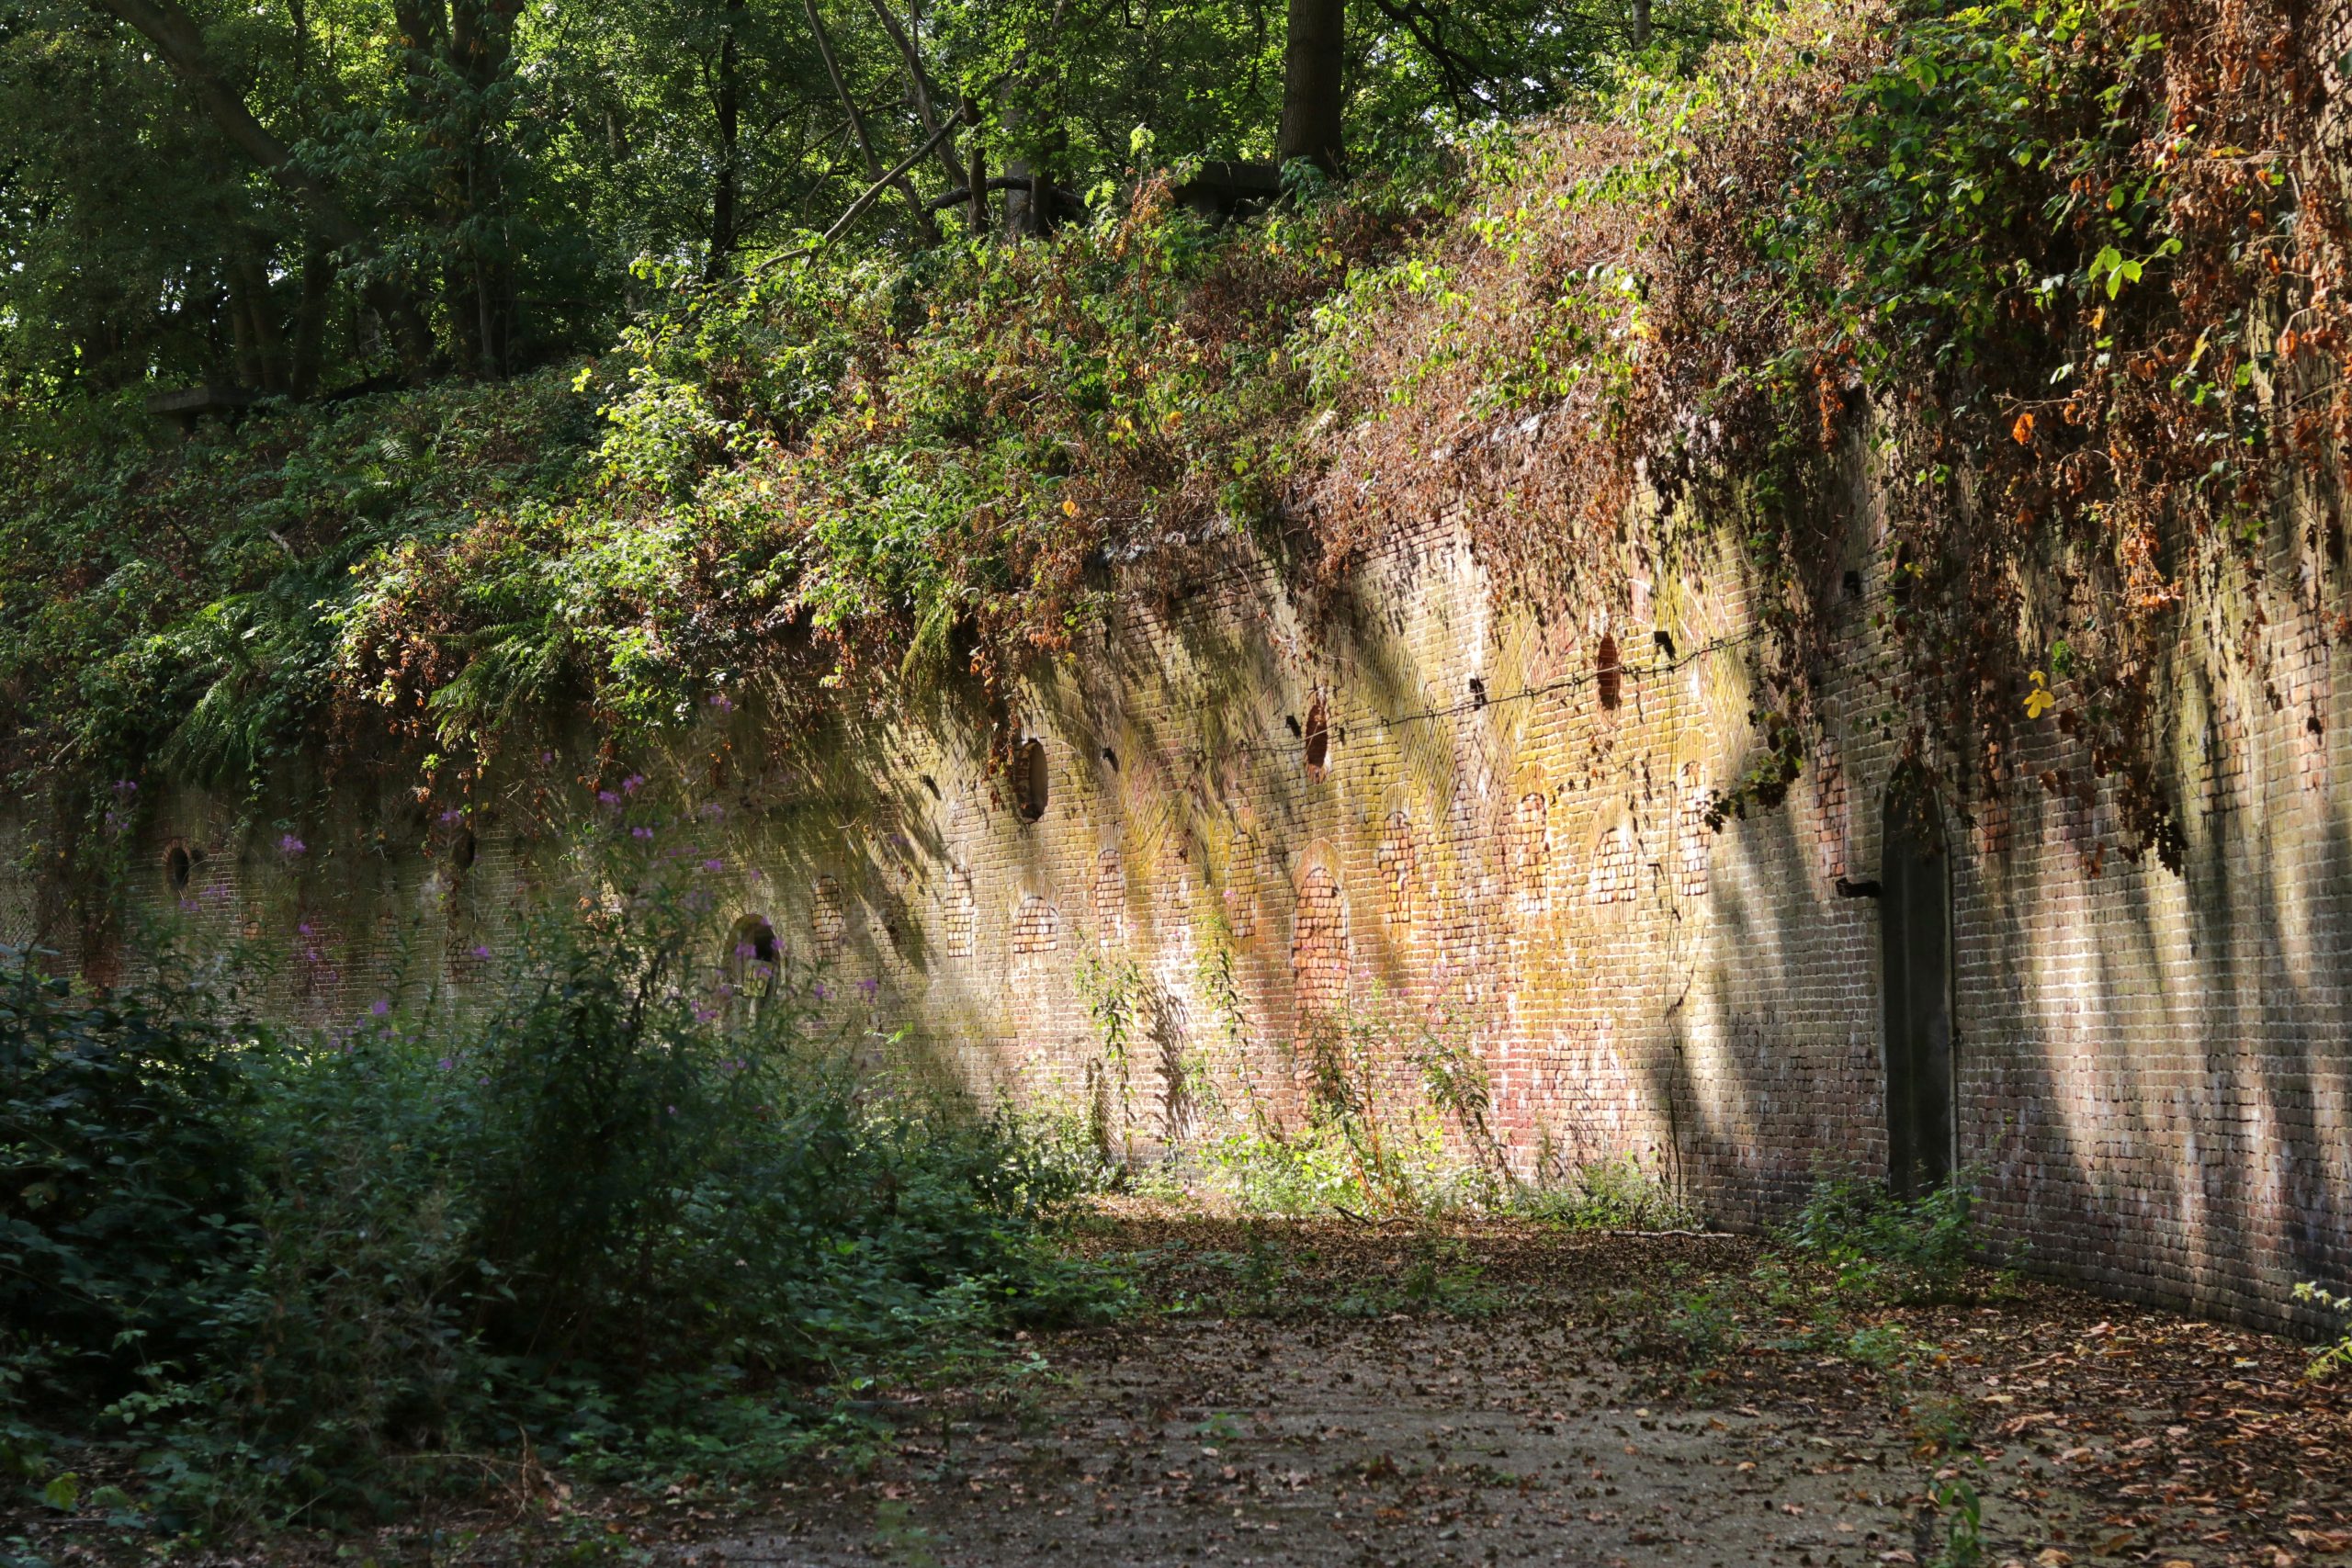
959 913
1396 857
1034 943
1616 859
1527 842
1319 947
1693 839
1110 897
1608 673
828 920
182 862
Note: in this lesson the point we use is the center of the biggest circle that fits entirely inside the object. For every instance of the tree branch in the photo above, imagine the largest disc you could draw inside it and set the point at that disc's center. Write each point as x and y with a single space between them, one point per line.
180 43
865 200
919 80
857 128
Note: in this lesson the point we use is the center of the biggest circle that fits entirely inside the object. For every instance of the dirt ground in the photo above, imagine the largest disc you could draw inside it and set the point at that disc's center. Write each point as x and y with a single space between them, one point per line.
1339 1393
1336 1392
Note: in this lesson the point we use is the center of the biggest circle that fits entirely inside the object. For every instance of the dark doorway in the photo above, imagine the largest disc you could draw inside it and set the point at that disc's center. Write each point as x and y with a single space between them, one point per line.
1915 928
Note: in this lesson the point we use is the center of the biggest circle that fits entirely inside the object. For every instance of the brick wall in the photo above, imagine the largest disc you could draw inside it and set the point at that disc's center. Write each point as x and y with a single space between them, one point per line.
1502 838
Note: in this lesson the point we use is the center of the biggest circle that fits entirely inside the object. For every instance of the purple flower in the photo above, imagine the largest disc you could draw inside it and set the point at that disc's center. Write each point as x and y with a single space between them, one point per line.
721 701
379 1008
869 986
481 952
705 1014
821 994
629 784
453 814
608 798
447 1064
640 832
289 846
126 786
714 866
303 928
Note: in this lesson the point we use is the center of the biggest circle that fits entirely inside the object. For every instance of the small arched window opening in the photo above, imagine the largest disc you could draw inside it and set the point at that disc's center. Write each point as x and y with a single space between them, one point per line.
1609 673
1029 778
1319 739
463 849
179 866
753 955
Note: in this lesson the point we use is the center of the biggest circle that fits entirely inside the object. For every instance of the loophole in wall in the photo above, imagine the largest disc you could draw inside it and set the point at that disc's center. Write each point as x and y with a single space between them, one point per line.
1030 779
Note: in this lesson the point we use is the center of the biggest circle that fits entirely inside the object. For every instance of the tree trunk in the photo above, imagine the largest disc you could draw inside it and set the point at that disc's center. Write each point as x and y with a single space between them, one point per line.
1313 52
725 189
921 91
905 187
250 294
1641 24
311 318
180 44
481 46
976 172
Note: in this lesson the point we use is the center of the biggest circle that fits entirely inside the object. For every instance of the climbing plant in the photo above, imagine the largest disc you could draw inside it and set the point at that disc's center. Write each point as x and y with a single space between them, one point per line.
2069 273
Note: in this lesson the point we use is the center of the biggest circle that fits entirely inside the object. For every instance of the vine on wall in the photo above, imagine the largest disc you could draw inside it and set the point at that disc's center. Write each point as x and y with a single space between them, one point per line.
2072 272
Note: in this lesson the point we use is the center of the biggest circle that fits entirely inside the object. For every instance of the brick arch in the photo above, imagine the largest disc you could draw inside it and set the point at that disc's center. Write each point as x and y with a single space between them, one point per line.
828 920
1527 842
1109 896
960 912
1397 858
1616 861
1832 822
1318 944
1694 841
1034 942
1036 929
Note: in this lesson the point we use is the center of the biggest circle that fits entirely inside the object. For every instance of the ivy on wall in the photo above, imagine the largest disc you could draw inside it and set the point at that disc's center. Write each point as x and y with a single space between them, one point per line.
2065 278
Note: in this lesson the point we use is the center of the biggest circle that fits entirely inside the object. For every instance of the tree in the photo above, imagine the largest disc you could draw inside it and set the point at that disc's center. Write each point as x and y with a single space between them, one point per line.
1313 85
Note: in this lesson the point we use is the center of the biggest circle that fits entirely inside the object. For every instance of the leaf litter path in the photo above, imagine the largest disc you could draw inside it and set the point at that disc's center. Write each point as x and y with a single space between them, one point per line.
1326 1393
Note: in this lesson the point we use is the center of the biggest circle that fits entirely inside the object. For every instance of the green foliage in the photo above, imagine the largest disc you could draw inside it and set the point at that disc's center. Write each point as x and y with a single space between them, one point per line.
1441 1276
1955 1496
1885 1248
610 1214
127 1191
1363 1144
294 197
1614 1194
2336 1357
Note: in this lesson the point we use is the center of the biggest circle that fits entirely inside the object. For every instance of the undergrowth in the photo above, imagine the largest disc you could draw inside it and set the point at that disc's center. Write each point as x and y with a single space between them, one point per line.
267 1277
2333 1357
1883 1246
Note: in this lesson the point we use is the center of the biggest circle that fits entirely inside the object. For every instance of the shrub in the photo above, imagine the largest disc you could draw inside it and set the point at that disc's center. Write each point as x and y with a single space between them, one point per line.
2336 1357
1615 1195
621 1212
1906 1249
1368 1141
124 1186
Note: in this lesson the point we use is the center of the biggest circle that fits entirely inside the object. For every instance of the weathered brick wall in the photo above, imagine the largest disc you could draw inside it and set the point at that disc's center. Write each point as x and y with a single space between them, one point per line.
1409 803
